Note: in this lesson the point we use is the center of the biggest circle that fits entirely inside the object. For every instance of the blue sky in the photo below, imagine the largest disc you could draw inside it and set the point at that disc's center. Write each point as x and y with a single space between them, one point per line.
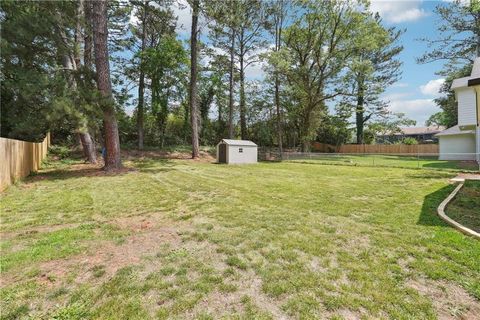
414 93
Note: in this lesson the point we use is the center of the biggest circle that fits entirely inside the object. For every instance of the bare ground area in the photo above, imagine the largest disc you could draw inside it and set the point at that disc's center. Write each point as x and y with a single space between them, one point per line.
450 300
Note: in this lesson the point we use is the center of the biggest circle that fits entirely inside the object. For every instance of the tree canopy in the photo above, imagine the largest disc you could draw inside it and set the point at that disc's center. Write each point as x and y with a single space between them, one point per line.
325 69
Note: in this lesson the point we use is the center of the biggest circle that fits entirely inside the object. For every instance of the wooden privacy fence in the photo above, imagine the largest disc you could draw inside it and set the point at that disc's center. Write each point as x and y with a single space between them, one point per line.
19 158
377 148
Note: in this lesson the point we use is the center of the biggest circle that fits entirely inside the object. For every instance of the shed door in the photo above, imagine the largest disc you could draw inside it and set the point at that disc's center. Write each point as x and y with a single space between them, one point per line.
222 153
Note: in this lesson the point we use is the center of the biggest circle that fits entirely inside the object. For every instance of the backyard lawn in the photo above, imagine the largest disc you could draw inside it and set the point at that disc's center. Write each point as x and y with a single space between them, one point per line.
196 240
384 160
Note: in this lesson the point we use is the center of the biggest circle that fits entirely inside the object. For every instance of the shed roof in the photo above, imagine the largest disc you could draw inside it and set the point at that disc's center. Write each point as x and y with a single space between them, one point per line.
232 142
454 131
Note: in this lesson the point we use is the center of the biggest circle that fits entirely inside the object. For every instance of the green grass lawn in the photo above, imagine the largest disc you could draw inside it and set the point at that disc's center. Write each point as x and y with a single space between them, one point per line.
381 160
195 240
465 207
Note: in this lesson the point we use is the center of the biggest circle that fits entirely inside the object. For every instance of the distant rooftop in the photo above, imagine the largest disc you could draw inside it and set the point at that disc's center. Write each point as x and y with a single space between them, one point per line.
410 131
421 130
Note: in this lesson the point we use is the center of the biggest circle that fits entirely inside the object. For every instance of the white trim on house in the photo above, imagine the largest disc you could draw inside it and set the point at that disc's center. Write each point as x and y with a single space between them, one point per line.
455 130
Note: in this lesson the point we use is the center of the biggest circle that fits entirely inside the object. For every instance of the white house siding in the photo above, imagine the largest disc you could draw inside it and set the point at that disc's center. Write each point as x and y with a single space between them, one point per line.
478 144
249 154
457 147
467 104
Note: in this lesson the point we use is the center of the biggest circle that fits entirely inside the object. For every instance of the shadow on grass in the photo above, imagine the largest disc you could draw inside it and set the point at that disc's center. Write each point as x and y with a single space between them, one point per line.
81 170
75 173
455 165
152 165
428 215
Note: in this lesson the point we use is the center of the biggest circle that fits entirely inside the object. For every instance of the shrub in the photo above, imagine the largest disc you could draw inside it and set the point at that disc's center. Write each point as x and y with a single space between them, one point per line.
62 152
409 141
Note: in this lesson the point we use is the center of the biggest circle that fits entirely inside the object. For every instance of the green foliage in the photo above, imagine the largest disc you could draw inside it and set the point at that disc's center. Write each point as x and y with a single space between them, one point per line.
74 311
24 106
334 130
59 151
456 41
437 119
389 125
409 141
458 44
313 80
373 67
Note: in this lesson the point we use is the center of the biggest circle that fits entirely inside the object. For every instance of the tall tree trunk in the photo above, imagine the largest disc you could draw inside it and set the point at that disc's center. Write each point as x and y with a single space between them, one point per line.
141 84
279 116
359 112
70 62
78 30
278 39
100 38
193 80
243 111
87 37
88 144
230 89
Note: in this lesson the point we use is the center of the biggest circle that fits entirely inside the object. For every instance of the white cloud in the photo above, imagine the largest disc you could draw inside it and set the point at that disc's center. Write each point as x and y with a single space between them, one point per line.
397 96
133 18
417 109
397 11
432 87
184 14
255 71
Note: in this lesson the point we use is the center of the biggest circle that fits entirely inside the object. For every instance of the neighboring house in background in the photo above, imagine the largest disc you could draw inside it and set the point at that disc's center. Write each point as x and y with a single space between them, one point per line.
462 142
421 134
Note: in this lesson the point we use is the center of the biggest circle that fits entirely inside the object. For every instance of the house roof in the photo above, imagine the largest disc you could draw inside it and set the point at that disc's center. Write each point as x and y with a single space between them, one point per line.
463 82
232 142
418 130
422 130
455 130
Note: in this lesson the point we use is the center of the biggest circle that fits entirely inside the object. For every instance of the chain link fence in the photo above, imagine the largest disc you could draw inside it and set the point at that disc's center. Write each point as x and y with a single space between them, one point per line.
464 162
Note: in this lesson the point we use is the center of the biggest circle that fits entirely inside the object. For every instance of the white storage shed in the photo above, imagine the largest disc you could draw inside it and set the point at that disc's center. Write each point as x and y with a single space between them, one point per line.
236 151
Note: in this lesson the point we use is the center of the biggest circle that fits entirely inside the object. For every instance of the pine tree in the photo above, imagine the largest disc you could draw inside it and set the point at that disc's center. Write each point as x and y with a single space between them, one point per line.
100 41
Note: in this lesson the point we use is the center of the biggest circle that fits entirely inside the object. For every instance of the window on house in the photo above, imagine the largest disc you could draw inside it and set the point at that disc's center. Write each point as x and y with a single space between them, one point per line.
240 150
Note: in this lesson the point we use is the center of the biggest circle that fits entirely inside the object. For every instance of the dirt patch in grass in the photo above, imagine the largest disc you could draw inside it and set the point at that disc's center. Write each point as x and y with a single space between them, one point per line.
450 300
248 288
147 236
